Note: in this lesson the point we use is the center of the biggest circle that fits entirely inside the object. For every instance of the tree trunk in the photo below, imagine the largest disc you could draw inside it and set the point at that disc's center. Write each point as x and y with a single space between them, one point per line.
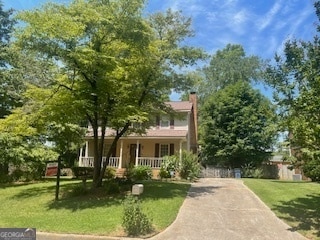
113 145
97 157
58 179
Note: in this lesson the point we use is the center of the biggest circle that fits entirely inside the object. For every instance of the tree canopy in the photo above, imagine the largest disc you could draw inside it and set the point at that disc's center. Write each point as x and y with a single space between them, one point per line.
238 127
295 78
227 66
112 65
8 96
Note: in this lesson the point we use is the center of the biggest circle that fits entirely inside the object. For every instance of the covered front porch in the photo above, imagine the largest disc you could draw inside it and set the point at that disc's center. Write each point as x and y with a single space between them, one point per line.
117 163
134 152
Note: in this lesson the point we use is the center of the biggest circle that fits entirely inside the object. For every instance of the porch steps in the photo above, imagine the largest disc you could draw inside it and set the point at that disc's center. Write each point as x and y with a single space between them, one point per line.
121 172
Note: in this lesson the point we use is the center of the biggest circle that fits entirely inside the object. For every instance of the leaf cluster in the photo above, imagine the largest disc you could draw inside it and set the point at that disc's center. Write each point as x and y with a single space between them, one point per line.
238 126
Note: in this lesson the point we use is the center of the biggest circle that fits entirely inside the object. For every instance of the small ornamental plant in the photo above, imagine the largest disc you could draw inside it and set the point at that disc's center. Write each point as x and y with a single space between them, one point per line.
135 222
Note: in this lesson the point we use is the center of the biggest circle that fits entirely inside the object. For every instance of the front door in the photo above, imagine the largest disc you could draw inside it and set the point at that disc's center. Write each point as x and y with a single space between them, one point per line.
133 153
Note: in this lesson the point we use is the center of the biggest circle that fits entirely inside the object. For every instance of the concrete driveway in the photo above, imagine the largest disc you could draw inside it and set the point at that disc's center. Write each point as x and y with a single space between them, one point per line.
225 209
219 209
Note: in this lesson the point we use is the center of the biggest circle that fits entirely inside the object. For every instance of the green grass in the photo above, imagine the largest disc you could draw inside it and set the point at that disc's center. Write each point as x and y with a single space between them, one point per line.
297 203
33 205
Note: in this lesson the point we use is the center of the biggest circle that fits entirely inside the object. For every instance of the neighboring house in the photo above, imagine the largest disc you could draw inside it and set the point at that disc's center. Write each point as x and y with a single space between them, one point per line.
279 168
168 136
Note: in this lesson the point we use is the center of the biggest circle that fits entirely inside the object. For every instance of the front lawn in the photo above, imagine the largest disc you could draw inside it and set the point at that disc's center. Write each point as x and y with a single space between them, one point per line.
297 203
33 205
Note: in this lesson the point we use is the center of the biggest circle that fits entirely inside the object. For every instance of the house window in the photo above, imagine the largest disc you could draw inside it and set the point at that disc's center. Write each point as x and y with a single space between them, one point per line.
164 122
164 150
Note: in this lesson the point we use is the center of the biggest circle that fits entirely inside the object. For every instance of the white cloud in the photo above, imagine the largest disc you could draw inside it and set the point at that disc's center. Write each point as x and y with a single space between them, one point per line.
266 20
259 26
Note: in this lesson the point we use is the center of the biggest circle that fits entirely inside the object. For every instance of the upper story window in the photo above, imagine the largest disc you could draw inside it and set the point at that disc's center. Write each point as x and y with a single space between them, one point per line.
165 122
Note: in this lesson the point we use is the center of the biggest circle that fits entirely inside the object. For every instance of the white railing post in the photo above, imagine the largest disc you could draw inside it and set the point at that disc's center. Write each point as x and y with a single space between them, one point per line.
180 152
137 154
87 150
151 162
80 154
120 158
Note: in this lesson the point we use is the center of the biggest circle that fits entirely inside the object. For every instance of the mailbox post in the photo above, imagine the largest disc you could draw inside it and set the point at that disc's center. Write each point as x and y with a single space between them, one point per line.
137 189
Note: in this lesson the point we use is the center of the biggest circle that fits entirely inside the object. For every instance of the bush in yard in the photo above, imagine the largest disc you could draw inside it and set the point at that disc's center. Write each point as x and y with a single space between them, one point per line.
111 187
169 164
142 173
135 222
79 190
129 172
249 171
17 174
163 173
312 170
189 167
28 171
82 172
110 173
124 183
5 178
258 173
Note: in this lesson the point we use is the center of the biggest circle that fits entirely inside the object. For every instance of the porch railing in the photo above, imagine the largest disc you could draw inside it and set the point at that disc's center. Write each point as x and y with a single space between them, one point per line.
152 162
113 161
86 161
89 161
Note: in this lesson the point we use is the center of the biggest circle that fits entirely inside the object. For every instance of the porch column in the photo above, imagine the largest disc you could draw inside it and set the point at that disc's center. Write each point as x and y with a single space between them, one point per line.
137 153
87 149
80 156
180 151
120 158
188 136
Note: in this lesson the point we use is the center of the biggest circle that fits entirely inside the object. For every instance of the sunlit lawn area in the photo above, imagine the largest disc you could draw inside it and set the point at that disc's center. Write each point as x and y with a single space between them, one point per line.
33 205
297 203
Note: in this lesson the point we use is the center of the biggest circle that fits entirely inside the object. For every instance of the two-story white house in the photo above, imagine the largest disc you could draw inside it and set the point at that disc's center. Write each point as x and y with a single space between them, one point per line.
169 135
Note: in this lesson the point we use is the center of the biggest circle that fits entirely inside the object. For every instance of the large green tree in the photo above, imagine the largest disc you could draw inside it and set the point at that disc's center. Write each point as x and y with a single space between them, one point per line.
8 97
238 126
227 66
17 69
295 78
115 66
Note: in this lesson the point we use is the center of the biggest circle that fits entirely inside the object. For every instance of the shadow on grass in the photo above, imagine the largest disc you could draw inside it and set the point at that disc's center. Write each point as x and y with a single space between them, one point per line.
158 189
35 190
85 202
152 190
304 211
173 189
292 182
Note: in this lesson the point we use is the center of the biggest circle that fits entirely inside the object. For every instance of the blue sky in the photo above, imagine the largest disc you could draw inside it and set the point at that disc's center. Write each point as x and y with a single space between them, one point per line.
260 26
